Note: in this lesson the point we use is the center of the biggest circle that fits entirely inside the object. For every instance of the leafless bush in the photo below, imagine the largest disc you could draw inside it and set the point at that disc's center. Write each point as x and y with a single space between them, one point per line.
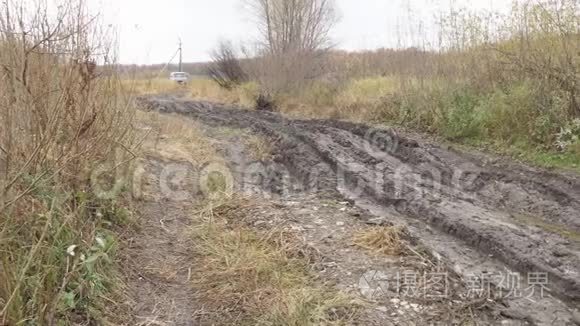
61 117
265 102
226 69
295 41
295 25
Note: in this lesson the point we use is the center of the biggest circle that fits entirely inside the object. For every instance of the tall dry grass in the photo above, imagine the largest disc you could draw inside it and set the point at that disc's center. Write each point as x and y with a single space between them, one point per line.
65 131
510 82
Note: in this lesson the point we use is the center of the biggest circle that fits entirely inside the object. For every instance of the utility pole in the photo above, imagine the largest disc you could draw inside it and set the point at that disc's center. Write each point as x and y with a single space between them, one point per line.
180 56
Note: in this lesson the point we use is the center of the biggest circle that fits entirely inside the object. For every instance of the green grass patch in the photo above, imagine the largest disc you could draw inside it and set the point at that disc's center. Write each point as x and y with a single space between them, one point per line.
524 153
57 263
560 230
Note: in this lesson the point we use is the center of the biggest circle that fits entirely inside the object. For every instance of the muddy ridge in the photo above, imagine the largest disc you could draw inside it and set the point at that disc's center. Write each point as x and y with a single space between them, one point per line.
483 215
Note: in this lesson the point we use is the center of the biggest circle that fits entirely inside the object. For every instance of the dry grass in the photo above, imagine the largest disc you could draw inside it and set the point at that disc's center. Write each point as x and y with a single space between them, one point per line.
173 138
386 240
66 130
205 89
176 138
153 86
196 88
243 276
254 278
260 148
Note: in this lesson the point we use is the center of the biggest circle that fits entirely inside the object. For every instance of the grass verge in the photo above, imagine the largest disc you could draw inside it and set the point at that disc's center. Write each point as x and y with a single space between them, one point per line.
66 147
69 275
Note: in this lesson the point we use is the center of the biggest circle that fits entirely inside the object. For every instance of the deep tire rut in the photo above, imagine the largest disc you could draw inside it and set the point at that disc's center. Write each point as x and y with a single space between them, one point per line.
479 216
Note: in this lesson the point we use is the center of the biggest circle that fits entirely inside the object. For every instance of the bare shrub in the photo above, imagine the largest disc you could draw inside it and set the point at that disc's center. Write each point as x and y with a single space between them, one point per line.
226 69
265 103
294 42
295 25
62 118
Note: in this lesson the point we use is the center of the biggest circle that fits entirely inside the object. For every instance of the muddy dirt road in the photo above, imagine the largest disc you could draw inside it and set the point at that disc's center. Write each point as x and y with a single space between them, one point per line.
495 223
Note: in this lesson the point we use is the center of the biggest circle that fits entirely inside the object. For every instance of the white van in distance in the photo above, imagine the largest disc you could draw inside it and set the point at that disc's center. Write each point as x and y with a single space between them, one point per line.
179 77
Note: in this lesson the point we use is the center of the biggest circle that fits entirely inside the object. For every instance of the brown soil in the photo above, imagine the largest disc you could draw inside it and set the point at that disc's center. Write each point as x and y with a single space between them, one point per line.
159 257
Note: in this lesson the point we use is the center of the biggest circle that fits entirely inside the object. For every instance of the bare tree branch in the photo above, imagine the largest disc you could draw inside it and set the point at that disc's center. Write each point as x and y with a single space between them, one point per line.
295 25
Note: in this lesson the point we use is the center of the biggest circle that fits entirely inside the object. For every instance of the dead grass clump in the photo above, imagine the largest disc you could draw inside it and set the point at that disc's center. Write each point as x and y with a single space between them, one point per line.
253 278
259 147
386 240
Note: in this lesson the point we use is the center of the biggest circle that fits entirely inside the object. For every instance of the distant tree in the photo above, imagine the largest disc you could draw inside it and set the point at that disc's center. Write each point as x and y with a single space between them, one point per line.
294 43
225 68
295 25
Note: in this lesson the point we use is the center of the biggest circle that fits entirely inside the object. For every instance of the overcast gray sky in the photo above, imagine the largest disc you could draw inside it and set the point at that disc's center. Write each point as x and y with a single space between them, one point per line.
149 30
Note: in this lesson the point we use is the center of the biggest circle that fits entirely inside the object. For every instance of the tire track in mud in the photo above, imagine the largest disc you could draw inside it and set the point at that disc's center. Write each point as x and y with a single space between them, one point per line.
516 218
